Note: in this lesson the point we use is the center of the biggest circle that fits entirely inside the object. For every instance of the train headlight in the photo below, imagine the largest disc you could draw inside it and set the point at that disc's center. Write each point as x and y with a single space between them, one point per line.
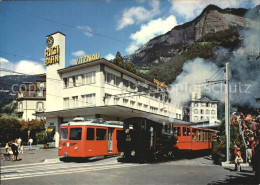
127 131
133 153
60 148
76 148
122 154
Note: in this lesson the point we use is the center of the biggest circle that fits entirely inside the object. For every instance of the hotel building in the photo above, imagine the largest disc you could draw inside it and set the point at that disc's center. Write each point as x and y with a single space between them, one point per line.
31 100
203 110
96 88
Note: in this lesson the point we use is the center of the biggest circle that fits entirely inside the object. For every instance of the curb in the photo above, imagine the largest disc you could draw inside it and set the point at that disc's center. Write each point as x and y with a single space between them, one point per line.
225 164
51 160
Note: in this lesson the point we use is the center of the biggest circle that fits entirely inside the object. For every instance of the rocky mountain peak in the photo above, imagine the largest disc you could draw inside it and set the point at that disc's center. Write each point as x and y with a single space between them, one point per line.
212 19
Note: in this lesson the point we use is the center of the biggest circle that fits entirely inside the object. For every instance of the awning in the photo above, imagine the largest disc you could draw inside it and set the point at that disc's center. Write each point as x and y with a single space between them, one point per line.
116 111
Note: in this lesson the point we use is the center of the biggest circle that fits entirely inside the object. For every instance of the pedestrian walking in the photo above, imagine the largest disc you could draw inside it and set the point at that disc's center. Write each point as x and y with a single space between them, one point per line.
30 143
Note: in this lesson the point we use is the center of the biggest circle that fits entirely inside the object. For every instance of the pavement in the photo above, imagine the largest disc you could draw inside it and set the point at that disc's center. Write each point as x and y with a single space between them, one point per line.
43 166
37 155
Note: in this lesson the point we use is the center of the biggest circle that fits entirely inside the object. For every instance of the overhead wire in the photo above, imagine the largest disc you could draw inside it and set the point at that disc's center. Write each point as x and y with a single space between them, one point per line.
62 24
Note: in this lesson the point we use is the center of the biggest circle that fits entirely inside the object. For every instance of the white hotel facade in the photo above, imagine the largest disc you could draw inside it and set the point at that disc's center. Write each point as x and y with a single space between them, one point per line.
99 89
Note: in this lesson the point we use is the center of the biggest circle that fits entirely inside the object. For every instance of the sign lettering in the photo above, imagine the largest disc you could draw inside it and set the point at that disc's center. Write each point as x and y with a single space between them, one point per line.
157 82
52 55
88 58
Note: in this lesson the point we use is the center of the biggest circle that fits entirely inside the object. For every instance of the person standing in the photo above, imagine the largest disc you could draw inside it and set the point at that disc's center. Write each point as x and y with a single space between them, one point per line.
238 160
19 144
30 143
14 148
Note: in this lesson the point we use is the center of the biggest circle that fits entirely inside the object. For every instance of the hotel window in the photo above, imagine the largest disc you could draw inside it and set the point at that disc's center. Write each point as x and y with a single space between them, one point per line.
118 81
39 106
207 118
41 85
74 79
207 104
196 118
125 101
196 111
75 101
213 105
139 105
132 104
65 103
180 116
90 78
140 88
212 112
65 82
201 111
132 86
88 99
195 105
20 106
40 93
201 117
153 109
116 100
207 111
145 107
125 83
110 78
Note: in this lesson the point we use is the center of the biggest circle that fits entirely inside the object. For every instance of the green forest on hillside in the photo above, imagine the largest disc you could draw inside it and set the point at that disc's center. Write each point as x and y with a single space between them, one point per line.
203 48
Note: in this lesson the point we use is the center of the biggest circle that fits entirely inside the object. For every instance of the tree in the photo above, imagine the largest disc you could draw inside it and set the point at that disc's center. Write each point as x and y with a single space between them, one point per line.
9 128
119 61
130 67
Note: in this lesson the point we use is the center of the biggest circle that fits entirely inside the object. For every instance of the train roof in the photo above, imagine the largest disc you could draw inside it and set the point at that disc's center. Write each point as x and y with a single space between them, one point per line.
195 127
97 122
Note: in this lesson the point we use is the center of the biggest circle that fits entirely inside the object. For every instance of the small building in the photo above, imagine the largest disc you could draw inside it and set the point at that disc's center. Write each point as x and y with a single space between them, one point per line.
203 111
31 100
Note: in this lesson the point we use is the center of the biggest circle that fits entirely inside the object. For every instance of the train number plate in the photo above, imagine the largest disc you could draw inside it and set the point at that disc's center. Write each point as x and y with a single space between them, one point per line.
128 138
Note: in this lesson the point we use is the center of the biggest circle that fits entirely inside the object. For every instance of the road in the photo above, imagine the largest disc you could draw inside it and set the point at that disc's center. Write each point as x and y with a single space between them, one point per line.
109 171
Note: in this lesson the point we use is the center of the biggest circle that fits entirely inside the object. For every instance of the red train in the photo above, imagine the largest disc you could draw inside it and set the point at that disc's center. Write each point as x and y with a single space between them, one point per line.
80 138
193 139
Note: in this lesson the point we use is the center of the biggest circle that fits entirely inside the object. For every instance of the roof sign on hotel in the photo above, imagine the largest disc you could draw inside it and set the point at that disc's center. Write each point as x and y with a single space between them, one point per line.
157 82
88 58
52 54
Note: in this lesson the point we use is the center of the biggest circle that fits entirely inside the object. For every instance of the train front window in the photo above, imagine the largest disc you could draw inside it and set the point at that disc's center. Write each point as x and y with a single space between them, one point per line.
184 131
178 131
90 134
75 133
188 131
63 134
101 134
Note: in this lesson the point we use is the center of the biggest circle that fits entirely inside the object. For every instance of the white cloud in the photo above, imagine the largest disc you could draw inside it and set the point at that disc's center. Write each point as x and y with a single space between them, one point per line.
23 66
86 30
79 53
255 2
29 67
3 60
137 15
192 8
109 56
150 30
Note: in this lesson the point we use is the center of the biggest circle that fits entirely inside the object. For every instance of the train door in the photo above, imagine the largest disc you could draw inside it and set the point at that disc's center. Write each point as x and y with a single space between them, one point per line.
110 139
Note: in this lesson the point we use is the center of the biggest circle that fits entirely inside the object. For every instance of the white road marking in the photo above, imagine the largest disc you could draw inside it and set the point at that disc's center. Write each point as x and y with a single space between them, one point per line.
62 168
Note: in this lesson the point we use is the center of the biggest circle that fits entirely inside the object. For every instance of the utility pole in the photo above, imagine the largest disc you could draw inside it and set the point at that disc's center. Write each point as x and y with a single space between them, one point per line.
227 111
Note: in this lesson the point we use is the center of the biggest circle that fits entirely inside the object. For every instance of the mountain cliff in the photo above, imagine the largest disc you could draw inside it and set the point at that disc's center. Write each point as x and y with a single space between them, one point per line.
213 19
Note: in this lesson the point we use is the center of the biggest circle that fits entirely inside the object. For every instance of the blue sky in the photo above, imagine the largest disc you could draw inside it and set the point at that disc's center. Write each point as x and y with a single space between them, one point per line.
90 27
